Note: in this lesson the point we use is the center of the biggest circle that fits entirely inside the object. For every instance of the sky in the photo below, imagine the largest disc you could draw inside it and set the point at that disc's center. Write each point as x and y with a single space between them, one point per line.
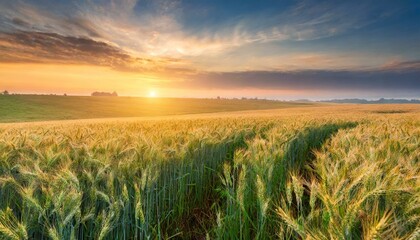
284 49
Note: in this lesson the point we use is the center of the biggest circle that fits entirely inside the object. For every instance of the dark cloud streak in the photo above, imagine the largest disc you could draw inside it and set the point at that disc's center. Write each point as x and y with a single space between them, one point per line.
44 47
402 76
41 47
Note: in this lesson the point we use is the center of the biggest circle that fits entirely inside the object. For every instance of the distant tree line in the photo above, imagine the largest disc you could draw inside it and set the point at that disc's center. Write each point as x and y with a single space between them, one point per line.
109 94
235 98
104 94
364 101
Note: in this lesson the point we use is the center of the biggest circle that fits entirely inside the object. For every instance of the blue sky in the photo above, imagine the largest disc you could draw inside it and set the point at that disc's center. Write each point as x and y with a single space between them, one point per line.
313 49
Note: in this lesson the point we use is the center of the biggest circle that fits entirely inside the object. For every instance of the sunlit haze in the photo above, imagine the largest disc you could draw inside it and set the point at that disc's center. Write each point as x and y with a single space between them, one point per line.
291 49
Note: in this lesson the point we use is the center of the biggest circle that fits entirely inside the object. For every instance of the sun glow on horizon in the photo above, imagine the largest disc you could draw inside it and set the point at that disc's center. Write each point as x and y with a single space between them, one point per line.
152 93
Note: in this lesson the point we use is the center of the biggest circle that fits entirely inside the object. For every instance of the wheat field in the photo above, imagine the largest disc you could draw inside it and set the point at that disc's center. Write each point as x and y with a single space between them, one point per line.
327 172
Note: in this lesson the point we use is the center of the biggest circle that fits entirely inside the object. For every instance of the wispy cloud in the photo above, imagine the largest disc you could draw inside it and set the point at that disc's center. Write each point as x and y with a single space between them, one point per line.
311 19
20 16
160 31
400 66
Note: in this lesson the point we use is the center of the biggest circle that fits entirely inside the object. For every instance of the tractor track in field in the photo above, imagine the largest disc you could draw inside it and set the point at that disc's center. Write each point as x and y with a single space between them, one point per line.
297 159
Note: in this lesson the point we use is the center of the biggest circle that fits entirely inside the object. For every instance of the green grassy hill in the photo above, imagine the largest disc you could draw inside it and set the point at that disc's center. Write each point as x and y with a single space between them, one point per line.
18 108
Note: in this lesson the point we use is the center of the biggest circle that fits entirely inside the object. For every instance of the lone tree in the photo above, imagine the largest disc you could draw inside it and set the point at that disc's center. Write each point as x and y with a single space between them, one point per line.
5 92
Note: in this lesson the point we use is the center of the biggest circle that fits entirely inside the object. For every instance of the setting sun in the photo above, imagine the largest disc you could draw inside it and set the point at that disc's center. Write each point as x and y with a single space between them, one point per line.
152 94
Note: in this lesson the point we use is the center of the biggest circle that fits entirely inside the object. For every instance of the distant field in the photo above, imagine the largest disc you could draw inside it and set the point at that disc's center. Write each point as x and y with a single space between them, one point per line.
324 172
18 108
